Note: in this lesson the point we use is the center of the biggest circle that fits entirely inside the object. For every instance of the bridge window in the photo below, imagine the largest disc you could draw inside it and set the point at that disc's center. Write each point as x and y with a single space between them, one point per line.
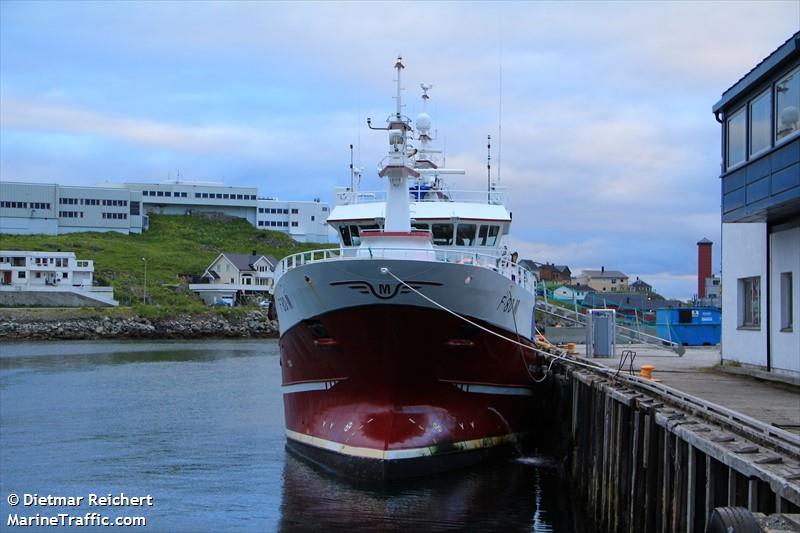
787 105
344 231
737 138
442 234
465 235
487 235
421 226
760 127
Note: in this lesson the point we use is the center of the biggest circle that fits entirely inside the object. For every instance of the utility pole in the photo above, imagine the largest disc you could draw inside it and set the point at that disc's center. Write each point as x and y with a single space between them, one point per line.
144 285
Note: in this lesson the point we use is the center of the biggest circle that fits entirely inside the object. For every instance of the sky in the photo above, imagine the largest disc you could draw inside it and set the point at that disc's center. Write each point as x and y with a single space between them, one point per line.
600 111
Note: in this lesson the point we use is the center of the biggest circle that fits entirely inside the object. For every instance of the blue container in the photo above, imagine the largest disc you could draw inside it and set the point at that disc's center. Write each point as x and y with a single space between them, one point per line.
690 326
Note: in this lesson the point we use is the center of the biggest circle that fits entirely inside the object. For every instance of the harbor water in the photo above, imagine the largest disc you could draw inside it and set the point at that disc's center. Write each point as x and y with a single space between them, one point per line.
198 427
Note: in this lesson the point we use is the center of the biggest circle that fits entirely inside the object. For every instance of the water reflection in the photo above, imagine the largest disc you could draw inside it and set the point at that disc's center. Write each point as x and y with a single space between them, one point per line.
509 495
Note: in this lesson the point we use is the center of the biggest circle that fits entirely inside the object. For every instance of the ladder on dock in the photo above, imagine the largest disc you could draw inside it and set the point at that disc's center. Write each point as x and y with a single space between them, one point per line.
630 334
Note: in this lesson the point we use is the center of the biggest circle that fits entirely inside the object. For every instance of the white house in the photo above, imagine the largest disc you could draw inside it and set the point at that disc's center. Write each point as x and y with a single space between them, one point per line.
232 274
572 293
49 278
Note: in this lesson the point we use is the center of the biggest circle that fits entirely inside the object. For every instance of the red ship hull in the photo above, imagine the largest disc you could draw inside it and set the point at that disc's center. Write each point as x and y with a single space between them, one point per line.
400 391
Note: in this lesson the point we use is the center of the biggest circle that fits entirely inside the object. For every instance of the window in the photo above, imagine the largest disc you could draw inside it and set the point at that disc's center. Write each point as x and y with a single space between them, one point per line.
197 195
442 234
64 275
312 218
160 193
465 235
787 320
787 106
167 193
750 302
737 138
238 196
344 231
21 274
134 208
487 235
294 211
294 224
421 226
260 222
205 195
760 127
219 195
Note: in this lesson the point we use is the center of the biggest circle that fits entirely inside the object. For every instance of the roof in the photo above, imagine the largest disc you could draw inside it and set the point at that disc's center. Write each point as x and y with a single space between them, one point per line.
704 241
626 300
243 261
640 282
760 71
558 268
603 274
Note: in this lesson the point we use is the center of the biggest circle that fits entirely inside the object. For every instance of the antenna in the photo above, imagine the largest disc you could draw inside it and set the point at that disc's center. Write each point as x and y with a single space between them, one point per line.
488 168
352 176
500 101
399 67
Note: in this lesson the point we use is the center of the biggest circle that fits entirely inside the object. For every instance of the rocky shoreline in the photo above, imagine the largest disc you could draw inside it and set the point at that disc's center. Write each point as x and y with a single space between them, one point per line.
251 324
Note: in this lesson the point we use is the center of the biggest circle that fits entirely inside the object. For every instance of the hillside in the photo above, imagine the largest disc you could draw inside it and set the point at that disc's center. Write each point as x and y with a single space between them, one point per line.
173 245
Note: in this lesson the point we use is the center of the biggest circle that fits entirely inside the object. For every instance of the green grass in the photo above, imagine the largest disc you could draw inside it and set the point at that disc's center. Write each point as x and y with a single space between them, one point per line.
173 246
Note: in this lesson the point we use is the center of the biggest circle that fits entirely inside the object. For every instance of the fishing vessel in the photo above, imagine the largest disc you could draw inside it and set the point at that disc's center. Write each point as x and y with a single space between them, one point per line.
403 352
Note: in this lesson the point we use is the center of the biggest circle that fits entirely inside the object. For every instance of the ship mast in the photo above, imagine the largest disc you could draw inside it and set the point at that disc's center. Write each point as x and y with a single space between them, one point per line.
397 165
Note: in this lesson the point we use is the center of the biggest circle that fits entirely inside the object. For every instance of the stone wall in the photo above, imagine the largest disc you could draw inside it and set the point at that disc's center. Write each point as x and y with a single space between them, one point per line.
253 324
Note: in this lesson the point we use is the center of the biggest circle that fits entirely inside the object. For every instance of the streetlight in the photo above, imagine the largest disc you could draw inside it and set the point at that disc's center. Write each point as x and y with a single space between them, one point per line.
144 286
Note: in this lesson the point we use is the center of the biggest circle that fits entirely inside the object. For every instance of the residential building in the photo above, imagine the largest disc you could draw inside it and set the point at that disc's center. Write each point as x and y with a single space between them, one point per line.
231 275
604 280
555 273
532 266
49 279
713 292
760 188
572 293
641 286
33 208
29 208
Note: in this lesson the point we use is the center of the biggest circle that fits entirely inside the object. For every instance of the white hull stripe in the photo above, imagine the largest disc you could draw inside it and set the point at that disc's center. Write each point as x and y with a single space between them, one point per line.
307 387
391 455
494 389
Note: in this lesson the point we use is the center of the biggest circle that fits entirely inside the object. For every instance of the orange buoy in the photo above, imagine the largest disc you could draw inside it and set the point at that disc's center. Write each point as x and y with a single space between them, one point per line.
646 371
571 348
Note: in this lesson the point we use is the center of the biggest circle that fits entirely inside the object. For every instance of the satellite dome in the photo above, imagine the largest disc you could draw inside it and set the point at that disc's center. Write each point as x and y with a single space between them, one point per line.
423 122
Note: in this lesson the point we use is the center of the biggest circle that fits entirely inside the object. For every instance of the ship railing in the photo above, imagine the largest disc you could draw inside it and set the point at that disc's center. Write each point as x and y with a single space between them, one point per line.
495 262
345 196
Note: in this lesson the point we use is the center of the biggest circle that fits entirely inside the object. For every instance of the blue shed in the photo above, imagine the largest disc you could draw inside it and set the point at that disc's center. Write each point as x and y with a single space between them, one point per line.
690 326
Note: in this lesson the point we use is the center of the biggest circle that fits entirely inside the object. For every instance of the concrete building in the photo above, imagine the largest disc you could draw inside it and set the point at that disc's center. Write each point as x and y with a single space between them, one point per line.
49 279
603 280
231 275
760 178
28 208
31 208
187 197
304 221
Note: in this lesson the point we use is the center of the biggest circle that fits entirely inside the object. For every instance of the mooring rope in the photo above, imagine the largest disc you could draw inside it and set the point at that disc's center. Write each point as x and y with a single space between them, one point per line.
555 357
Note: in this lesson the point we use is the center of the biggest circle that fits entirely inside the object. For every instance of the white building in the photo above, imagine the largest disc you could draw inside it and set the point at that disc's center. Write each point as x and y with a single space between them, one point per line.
29 208
760 183
32 208
572 293
49 278
230 275
304 221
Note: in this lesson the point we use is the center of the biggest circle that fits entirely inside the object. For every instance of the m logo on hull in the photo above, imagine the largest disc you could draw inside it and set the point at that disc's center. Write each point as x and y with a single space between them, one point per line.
384 291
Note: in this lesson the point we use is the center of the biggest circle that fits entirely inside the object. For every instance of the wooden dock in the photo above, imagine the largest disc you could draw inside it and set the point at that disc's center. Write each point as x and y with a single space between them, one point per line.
659 457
